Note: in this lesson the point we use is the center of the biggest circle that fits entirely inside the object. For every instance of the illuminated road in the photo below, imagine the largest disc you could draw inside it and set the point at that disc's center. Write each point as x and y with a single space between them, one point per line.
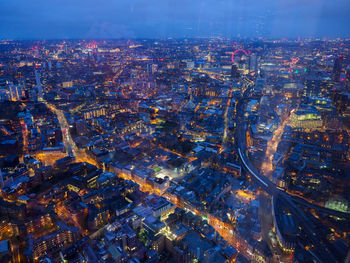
25 137
225 230
68 142
267 165
264 182
226 120
189 159
308 228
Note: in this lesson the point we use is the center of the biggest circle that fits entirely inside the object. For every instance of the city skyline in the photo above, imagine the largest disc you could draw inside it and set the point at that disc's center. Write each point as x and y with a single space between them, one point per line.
204 131
177 151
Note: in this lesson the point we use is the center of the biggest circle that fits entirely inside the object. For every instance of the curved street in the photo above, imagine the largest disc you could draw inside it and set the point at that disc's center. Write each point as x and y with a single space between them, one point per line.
307 227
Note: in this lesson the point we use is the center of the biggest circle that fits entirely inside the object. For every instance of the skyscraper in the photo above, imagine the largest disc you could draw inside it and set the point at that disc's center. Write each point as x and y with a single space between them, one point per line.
337 68
253 63
15 92
38 85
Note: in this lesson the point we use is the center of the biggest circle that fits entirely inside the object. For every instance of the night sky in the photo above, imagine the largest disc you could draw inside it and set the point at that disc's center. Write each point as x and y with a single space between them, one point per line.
52 19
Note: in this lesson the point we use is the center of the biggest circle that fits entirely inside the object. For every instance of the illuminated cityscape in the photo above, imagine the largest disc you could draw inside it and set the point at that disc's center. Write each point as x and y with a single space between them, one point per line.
188 149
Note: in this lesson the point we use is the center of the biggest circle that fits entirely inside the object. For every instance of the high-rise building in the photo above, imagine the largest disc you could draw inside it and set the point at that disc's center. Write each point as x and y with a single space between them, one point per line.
316 87
337 68
259 85
32 94
38 85
253 63
15 92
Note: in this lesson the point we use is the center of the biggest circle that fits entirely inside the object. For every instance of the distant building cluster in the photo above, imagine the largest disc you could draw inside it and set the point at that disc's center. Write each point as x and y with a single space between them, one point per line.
131 151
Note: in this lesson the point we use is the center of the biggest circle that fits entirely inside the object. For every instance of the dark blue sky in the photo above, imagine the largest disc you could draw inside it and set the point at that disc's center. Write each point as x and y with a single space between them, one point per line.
37 19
